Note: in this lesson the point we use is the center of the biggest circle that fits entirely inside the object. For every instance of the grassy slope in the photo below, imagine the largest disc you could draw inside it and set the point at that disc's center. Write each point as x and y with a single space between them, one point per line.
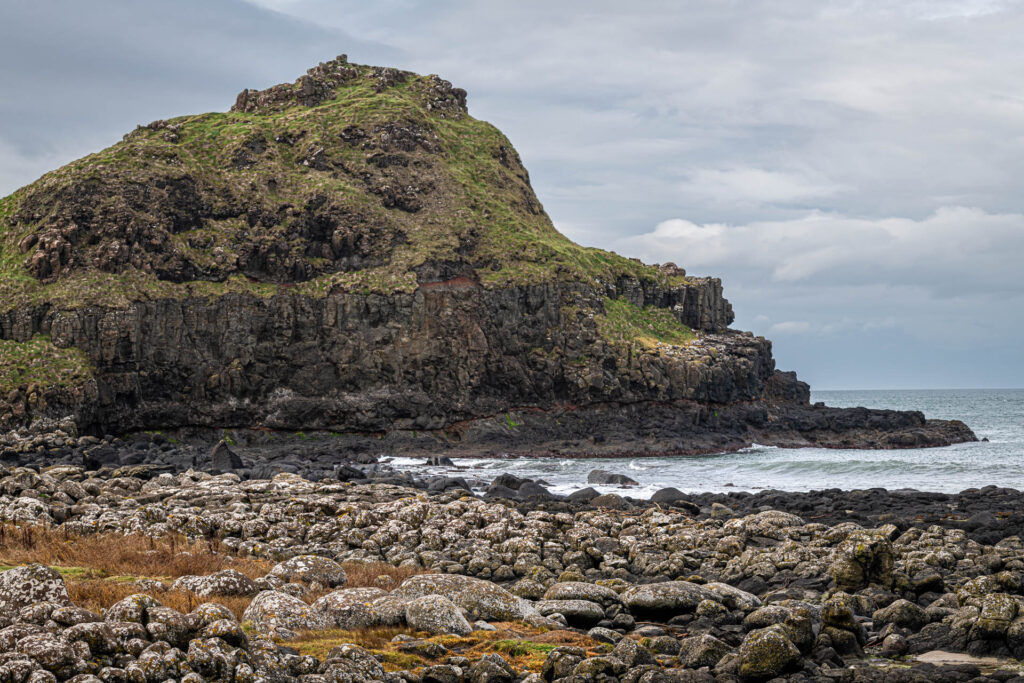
477 198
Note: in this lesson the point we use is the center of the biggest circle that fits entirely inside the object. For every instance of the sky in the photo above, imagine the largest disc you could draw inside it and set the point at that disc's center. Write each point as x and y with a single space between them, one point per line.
851 170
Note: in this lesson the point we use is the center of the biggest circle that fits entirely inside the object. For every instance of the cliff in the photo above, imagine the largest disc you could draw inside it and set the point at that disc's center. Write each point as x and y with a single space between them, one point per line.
354 253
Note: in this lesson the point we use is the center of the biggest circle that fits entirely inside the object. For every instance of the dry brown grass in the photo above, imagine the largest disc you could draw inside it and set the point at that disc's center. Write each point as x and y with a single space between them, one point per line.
100 568
113 554
362 575
99 594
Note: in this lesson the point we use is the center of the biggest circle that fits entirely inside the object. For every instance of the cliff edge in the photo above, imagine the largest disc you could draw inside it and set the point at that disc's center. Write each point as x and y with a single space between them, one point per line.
354 253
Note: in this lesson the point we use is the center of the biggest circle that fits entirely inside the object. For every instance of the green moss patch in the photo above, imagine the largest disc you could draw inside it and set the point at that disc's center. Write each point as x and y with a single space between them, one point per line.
648 326
38 362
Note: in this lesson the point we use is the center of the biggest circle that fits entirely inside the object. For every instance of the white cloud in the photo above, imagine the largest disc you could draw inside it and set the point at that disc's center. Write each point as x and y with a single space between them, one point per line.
955 251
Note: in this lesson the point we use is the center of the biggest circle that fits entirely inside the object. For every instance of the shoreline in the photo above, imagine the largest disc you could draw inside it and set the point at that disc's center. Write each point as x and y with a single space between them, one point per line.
740 587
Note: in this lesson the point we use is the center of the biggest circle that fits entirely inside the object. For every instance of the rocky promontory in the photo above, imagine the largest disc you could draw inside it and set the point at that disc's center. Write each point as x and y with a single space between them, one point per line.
353 253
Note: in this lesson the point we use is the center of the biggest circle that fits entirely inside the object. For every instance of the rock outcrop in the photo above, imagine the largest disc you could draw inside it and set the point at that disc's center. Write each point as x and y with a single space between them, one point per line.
354 253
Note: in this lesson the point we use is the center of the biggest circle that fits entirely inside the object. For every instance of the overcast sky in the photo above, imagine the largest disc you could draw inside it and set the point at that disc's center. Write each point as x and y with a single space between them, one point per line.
852 170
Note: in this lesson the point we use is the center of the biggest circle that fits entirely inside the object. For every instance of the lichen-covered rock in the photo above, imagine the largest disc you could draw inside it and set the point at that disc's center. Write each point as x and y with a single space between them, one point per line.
227 582
865 557
25 586
276 613
481 599
580 613
436 614
765 653
902 613
351 608
668 598
997 612
561 662
49 651
133 608
310 569
768 524
701 650
579 590
733 597
352 661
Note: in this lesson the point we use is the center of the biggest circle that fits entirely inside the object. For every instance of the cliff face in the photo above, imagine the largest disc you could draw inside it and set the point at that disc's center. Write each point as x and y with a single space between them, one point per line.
354 253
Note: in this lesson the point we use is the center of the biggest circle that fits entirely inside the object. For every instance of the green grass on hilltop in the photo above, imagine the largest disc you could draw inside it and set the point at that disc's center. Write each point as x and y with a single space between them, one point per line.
478 206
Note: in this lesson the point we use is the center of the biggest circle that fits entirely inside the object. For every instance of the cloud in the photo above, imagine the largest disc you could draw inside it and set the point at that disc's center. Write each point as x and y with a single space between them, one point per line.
955 252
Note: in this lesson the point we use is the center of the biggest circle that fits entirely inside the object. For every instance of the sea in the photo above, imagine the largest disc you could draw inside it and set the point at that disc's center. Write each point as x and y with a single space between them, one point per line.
995 414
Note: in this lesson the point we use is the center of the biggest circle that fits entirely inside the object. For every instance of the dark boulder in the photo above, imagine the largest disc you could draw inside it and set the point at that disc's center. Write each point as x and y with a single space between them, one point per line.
223 459
606 478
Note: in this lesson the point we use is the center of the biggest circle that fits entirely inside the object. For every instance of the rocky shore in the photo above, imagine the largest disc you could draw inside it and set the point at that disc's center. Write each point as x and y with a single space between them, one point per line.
515 585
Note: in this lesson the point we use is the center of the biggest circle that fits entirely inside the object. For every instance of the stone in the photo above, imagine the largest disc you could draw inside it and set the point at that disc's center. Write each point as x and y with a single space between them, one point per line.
481 599
351 608
701 650
579 590
310 569
675 498
274 613
223 583
902 613
863 558
579 613
666 599
766 653
436 615
606 478
28 585
223 459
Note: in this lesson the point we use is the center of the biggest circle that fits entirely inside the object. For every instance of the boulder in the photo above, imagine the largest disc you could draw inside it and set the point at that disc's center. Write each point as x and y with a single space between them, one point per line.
902 613
227 582
132 609
767 653
223 459
666 599
701 650
437 615
579 613
583 495
675 498
612 501
351 608
310 569
606 478
863 558
25 586
276 613
481 599
580 590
